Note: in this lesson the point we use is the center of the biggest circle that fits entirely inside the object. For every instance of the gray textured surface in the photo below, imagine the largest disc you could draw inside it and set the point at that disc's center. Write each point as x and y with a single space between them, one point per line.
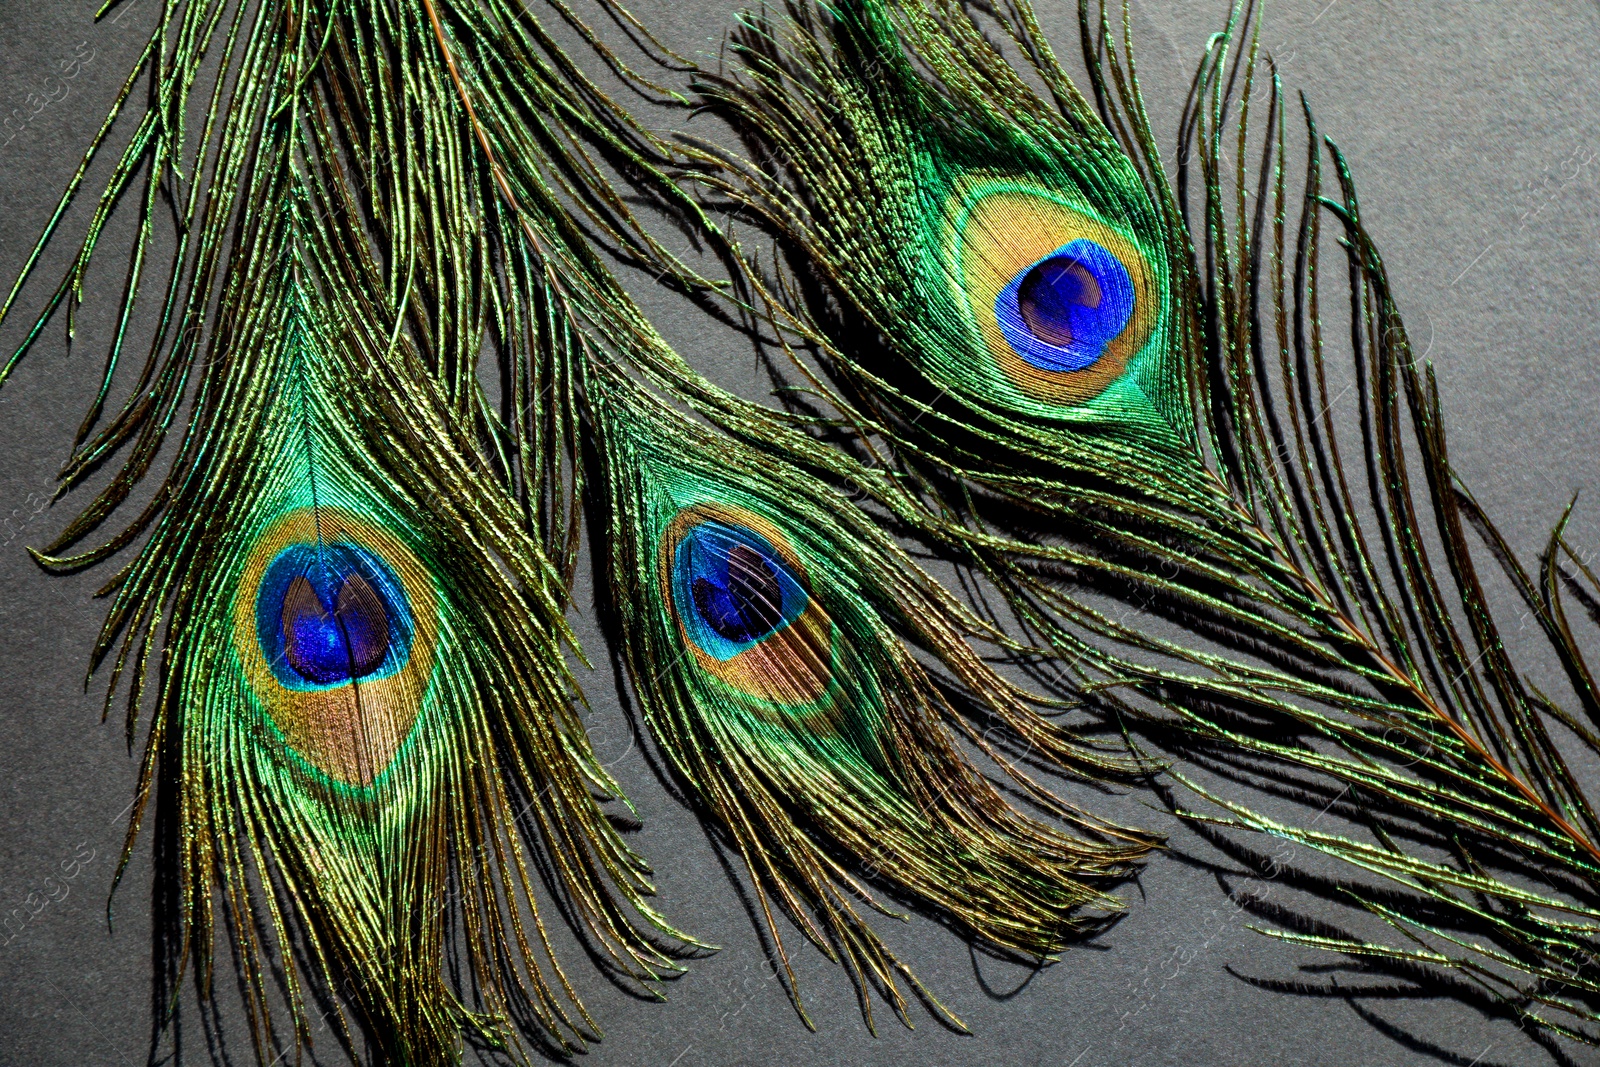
1475 139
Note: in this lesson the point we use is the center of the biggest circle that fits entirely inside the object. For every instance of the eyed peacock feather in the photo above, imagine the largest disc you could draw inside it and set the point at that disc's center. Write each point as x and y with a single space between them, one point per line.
1013 257
362 744
1013 302
768 629
772 697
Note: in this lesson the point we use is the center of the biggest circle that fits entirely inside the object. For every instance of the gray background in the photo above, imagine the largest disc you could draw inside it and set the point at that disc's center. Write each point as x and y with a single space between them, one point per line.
1476 142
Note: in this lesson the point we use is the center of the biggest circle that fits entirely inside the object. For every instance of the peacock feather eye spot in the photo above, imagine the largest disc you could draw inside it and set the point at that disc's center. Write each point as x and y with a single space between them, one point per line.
328 601
738 594
325 646
746 603
1062 311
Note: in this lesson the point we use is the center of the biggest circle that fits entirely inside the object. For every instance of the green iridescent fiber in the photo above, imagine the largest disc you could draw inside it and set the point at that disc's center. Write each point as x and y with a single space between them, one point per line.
874 163
1350 652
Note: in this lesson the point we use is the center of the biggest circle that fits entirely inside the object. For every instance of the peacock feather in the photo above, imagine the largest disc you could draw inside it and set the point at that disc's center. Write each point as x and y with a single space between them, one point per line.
345 620
769 631
1088 373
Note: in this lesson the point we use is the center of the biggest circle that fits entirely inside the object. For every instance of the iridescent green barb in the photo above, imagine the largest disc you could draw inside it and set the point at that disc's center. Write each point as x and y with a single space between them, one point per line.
344 622
1041 334
911 194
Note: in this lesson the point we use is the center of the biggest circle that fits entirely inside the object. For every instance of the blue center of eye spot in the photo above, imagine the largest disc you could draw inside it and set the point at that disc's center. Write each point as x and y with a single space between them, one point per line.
330 614
327 643
1060 312
732 589
747 603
